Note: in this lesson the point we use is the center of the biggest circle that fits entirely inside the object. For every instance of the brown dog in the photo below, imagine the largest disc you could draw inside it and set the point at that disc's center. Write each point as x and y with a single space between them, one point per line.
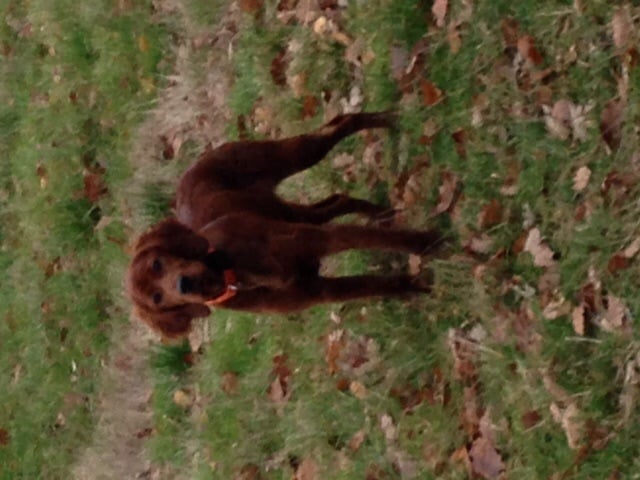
235 244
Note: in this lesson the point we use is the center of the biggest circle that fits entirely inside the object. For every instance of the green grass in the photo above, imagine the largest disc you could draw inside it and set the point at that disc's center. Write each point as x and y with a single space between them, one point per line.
77 79
75 86
234 431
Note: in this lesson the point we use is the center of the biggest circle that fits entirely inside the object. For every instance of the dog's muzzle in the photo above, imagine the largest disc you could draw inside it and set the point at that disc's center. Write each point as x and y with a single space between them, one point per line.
185 285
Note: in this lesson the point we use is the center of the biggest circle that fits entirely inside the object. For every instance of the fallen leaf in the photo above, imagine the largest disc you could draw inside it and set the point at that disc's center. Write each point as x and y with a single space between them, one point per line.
569 419
622 27
229 383
581 178
510 31
310 106
250 6
431 94
618 262
249 471
183 399
278 68
4 437
616 316
447 192
565 119
41 172
94 185
542 254
578 319
357 440
460 139
527 49
280 389
359 53
485 459
490 215
333 349
415 261
143 44
481 244
611 120
399 58
358 390
530 418
388 428
632 249
307 470
439 10
453 37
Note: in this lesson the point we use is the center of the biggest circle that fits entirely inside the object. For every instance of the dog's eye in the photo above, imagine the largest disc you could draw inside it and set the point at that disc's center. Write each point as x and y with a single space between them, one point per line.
156 266
157 298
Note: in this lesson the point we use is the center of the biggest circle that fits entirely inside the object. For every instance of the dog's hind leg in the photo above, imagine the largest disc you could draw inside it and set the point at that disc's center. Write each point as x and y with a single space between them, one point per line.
244 163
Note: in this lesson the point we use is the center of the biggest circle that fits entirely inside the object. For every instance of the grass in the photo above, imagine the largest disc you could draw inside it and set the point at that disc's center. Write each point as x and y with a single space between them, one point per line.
77 79
403 395
236 429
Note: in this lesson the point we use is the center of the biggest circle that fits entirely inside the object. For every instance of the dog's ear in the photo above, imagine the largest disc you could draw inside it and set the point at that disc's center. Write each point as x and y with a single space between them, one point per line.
175 237
173 322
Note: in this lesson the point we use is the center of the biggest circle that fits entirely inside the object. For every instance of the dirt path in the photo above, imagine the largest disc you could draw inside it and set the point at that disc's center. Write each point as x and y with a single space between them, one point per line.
188 109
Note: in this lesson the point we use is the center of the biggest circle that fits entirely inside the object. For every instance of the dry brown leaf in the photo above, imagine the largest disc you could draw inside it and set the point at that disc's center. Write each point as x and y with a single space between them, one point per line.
307 470
490 215
229 383
5 438
581 178
439 10
530 418
611 120
183 399
359 53
616 316
618 262
447 192
527 48
415 262
569 419
510 31
399 58
431 94
460 142
556 308
279 390
632 249
622 27
357 440
453 37
250 6
565 119
278 69
542 254
358 390
94 185
578 320
465 355
333 349
485 459
389 428
480 104
481 244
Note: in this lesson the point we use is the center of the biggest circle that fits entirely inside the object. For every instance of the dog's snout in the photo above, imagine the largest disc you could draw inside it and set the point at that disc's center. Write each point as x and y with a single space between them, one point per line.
184 285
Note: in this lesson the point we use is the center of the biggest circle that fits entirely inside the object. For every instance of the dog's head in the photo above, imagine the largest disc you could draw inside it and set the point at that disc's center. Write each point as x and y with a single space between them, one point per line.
169 278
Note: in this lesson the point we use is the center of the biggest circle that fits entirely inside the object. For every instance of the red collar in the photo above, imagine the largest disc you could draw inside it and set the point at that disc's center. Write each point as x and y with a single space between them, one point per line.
230 280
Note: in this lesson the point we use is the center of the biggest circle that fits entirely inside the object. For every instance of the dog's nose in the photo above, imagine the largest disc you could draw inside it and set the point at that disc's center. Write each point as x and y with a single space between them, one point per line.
184 285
